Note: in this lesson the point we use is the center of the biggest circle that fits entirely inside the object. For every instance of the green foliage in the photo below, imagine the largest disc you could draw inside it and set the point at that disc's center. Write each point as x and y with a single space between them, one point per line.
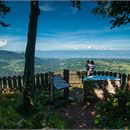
45 116
114 113
4 9
8 116
118 10
58 121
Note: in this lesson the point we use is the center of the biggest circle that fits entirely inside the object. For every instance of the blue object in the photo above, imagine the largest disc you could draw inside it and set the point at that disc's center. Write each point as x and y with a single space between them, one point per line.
89 78
60 83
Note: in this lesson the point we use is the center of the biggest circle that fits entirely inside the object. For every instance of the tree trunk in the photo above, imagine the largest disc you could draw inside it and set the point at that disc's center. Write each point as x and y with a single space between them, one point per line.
29 86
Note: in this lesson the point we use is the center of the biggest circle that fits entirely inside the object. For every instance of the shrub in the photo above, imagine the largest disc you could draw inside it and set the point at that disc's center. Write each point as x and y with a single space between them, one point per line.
43 116
114 113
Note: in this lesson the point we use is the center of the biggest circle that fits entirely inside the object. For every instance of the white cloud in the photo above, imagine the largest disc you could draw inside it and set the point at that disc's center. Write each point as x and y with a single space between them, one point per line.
74 10
47 8
3 43
13 43
76 41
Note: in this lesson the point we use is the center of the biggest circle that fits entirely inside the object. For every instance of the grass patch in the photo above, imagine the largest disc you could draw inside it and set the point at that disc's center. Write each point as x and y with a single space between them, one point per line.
46 116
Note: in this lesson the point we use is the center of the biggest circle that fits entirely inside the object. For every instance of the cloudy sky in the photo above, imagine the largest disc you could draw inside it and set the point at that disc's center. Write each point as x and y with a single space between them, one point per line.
62 27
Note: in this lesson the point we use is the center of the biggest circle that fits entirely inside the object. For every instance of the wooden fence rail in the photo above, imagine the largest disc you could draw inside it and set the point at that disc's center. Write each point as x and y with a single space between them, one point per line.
42 80
16 82
125 78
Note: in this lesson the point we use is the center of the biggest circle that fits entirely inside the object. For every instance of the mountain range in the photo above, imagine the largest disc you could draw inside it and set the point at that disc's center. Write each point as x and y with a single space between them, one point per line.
117 54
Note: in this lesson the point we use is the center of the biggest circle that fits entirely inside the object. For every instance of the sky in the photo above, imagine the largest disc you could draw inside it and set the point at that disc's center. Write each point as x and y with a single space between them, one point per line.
62 27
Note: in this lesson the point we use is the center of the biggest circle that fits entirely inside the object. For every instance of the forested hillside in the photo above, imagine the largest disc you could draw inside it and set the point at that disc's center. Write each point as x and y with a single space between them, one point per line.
13 64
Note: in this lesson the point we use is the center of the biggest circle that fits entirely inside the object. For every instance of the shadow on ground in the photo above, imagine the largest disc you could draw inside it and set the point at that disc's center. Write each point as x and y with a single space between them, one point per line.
80 113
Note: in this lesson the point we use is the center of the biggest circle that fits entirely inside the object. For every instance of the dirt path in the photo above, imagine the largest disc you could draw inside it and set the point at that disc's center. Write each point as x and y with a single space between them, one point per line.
81 114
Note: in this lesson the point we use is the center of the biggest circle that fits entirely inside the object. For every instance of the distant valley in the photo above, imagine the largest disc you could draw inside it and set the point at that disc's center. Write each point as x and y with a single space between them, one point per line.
12 63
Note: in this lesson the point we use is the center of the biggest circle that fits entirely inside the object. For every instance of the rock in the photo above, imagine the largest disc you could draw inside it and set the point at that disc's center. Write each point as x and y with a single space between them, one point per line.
20 124
71 99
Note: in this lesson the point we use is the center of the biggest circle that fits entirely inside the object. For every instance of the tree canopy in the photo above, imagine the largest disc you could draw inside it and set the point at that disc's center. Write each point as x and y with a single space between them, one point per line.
4 9
119 11
76 4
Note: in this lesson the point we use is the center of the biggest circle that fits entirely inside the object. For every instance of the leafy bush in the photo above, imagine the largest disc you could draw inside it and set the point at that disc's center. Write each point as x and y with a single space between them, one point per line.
114 113
45 116
58 121
8 116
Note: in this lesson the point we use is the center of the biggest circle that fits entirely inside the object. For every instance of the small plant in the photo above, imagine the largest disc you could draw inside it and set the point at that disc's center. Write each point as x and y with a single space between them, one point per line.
58 121
45 116
114 113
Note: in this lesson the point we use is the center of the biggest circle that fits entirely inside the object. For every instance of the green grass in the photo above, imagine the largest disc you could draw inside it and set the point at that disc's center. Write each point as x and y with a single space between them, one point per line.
46 116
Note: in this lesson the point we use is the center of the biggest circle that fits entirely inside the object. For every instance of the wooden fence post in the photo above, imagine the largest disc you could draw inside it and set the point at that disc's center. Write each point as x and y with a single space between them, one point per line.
46 80
99 72
4 83
20 83
51 78
124 80
106 73
38 81
95 72
128 82
10 83
0 85
66 78
14 83
110 73
102 73
115 75
42 80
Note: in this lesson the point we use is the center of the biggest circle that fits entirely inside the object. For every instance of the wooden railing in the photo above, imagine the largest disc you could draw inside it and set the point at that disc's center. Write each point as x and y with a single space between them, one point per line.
16 82
42 80
125 78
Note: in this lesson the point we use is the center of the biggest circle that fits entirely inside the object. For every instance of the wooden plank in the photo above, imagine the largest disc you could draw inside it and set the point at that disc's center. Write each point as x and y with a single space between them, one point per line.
51 78
128 82
110 73
42 80
124 80
22 80
119 75
10 85
106 73
102 73
4 83
115 75
66 78
95 72
38 81
0 85
14 82
66 75
46 81
19 83
99 73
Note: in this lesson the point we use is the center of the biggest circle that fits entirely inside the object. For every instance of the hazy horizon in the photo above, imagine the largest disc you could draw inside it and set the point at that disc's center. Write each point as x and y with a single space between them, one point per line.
98 54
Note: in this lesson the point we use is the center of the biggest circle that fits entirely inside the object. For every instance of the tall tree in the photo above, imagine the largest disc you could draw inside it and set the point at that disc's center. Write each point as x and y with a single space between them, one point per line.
118 11
4 9
29 86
